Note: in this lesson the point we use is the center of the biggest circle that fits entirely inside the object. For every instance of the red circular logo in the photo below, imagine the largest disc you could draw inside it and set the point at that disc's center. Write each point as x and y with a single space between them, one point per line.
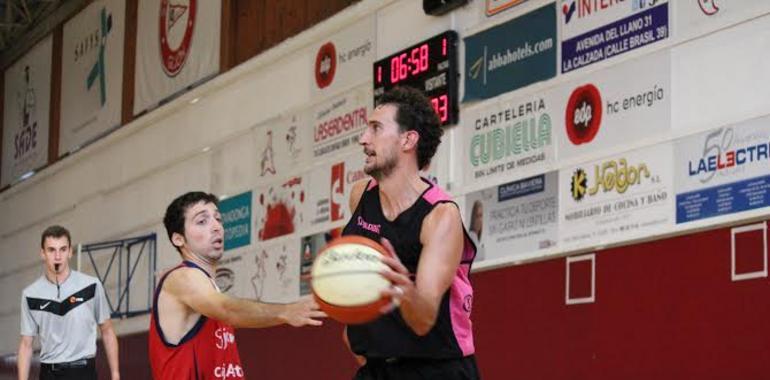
584 114
325 65
176 31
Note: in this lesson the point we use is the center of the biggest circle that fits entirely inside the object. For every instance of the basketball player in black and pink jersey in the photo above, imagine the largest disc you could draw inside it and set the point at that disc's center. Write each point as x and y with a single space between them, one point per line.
429 335
191 327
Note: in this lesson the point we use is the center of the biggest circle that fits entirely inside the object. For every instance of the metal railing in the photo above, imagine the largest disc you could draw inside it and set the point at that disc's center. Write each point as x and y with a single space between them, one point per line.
128 254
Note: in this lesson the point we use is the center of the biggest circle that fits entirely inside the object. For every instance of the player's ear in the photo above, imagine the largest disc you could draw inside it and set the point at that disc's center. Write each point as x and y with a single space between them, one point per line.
410 140
177 239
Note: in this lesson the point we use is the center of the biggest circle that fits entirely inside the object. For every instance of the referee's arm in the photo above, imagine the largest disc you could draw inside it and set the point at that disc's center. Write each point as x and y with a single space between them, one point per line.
110 341
24 357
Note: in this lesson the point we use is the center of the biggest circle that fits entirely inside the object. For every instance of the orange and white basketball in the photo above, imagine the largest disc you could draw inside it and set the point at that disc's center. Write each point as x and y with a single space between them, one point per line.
346 279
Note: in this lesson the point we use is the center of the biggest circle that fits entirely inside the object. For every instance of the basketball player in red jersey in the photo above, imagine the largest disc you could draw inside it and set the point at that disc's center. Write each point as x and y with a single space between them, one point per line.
429 336
191 327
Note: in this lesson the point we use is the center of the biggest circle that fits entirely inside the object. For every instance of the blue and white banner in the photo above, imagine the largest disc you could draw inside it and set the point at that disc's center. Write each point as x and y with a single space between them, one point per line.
236 218
26 113
92 73
723 171
512 55
593 31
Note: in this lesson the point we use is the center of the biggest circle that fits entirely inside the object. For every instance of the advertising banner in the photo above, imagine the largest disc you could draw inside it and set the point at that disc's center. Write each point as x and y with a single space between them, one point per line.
26 112
177 45
699 17
612 199
592 31
514 218
339 122
345 58
278 208
512 55
92 73
507 137
615 107
330 187
236 218
281 146
723 171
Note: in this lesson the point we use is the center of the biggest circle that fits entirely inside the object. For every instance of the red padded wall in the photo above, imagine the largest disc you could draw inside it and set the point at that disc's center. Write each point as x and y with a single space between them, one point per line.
664 310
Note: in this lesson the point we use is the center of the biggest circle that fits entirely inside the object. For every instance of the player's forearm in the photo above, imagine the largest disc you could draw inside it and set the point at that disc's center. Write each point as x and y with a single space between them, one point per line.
110 341
251 314
419 313
23 360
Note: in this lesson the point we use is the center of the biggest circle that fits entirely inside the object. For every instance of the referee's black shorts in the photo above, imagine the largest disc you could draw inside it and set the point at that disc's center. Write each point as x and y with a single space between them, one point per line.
84 369
419 369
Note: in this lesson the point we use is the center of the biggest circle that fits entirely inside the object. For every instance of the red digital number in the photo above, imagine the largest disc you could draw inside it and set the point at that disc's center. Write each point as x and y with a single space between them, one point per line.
394 66
443 46
441 105
379 74
415 59
424 57
403 69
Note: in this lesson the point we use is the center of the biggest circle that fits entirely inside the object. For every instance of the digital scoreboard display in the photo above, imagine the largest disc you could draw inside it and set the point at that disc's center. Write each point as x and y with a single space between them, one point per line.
430 66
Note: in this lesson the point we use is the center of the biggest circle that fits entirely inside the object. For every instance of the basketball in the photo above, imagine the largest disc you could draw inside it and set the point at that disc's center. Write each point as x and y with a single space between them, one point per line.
346 282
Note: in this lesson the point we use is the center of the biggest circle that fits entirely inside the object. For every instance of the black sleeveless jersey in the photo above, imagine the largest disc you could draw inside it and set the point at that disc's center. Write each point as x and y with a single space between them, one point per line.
389 336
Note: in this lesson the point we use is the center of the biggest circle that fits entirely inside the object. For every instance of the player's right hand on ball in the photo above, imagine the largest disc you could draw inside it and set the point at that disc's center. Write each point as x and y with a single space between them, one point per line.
303 312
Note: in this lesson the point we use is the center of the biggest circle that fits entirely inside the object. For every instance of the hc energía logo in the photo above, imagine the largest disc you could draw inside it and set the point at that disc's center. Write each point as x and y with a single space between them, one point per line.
584 114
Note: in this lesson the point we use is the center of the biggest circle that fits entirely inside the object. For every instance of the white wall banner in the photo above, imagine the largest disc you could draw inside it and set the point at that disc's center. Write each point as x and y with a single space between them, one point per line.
26 112
177 45
281 146
617 197
723 171
698 17
92 73
339 122
273 271
508 137
279 208
231 276
345 58
514 218
614 107
330 187
265 272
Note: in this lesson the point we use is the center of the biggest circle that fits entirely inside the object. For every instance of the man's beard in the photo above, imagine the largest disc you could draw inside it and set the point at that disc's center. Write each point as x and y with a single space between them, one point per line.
383 170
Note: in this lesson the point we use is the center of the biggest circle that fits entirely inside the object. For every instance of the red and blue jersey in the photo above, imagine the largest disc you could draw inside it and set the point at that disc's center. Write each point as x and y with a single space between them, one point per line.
207 351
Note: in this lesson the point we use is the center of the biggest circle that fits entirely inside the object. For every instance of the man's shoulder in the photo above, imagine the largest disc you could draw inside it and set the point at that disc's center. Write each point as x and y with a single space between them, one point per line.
83 279
35 287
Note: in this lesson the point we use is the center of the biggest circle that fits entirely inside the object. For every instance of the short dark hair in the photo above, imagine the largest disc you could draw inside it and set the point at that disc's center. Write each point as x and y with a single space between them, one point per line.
55 231
174 218
414 112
